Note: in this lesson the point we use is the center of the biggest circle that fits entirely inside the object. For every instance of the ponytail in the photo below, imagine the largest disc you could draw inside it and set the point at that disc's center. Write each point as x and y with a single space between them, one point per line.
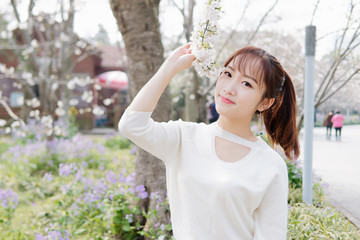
280 120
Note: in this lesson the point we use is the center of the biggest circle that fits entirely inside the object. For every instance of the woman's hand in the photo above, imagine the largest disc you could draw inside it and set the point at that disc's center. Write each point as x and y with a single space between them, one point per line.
180 59
146 100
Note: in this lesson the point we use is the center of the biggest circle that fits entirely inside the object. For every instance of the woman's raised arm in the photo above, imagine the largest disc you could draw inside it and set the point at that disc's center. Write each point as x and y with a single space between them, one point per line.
147 98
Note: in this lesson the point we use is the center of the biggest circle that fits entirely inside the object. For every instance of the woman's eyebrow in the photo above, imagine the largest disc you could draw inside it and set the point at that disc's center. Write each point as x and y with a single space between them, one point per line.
247 76
251 78
230 67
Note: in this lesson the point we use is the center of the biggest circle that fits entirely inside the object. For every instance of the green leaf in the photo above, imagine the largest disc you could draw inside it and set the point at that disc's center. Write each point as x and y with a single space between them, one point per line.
126 228
80 231
168 227
117 220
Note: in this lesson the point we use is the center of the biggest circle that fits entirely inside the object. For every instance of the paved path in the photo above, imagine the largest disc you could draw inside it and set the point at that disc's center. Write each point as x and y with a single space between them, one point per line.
338 164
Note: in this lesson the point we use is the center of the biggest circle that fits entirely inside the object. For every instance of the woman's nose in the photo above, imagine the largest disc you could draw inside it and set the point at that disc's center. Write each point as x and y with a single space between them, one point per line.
229 89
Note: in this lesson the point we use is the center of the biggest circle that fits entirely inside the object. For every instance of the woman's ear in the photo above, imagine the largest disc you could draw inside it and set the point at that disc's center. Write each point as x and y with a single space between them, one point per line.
266 103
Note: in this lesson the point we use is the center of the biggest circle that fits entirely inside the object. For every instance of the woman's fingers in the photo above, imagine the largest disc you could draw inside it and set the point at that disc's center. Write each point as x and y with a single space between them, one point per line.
188 45
187 60
181 58
186 48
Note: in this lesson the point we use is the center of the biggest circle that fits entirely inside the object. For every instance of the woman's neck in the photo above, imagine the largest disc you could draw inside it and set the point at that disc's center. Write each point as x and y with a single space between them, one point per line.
238 127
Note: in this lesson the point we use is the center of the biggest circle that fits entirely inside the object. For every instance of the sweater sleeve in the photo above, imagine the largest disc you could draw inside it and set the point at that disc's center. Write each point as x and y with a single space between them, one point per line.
159 139
271 216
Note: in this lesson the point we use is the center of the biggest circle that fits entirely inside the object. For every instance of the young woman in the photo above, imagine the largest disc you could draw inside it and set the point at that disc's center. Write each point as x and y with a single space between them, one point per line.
222 181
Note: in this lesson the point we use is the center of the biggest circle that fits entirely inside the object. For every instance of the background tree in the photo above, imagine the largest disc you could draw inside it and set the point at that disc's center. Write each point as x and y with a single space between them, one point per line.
47 51
346 100
341 65
139 25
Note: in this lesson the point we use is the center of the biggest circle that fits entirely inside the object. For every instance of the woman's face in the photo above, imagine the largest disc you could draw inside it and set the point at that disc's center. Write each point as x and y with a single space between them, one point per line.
238 94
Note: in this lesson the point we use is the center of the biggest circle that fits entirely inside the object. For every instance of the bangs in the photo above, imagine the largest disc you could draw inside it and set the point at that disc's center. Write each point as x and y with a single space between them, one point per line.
249 63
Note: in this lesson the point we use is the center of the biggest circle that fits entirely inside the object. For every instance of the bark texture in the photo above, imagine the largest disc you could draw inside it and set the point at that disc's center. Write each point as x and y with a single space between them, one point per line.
138 23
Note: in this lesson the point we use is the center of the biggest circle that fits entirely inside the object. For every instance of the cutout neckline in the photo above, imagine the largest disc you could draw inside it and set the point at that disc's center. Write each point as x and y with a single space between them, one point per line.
229 151
226 135
219 131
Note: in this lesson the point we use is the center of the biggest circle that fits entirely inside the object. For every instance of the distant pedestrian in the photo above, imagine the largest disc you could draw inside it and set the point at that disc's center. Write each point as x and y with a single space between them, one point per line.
214 115
328 124
337 121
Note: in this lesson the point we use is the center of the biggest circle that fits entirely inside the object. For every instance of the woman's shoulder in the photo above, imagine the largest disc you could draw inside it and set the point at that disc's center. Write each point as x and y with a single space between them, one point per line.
192 129
271 158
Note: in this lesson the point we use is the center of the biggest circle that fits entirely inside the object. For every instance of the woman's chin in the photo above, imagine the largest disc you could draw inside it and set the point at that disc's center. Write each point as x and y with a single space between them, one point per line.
225 113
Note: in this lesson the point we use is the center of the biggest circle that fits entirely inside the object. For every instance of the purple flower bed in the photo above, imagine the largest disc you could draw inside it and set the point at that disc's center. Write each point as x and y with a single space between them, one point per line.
8 198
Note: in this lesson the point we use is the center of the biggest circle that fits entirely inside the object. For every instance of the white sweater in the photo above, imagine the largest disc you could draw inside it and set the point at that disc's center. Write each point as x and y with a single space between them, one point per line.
211 199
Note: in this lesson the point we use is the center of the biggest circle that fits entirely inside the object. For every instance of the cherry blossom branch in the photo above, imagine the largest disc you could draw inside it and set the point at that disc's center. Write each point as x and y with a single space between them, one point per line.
204 38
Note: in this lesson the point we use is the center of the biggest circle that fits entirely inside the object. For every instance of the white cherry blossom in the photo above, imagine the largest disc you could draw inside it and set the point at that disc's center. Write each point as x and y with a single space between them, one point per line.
98 111
97 86
15 124
204 38
47 121
7 130
87 96
70 84
107 101
34 103
2 122
73 102
60 111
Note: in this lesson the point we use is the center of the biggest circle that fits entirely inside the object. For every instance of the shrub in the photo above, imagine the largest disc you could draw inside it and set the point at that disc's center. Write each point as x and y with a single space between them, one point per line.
319 220
310 222
117 142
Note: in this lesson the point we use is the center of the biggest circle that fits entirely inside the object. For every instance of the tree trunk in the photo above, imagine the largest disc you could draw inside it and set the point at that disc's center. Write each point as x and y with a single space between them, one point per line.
139 25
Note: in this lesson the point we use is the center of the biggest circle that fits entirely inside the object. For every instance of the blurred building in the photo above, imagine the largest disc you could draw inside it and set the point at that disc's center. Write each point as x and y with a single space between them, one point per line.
112 97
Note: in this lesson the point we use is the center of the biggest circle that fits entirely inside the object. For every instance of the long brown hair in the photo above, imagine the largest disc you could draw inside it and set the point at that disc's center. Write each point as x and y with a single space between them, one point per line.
280 118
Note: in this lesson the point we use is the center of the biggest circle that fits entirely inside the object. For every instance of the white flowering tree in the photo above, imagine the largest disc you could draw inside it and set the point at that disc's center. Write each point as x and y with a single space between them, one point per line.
47 50
204 39
342 65
203 34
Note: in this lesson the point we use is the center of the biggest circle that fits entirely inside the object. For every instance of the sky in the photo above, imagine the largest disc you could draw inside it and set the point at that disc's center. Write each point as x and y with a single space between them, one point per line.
289 17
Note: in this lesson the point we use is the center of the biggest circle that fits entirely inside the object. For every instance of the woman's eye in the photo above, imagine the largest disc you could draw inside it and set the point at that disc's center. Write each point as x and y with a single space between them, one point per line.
247 84
227 74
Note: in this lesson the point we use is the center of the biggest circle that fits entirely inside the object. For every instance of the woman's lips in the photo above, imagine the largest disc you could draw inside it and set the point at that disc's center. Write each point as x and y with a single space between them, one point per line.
226 100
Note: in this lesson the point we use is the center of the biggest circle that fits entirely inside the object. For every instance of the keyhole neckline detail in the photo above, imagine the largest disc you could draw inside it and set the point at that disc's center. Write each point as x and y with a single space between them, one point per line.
222 133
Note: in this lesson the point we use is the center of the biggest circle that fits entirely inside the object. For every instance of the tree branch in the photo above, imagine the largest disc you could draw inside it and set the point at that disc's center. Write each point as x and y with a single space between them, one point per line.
261 22
233 31
16 12
325 98
315 8
182 10
337 60
11 113
347 24
25 35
